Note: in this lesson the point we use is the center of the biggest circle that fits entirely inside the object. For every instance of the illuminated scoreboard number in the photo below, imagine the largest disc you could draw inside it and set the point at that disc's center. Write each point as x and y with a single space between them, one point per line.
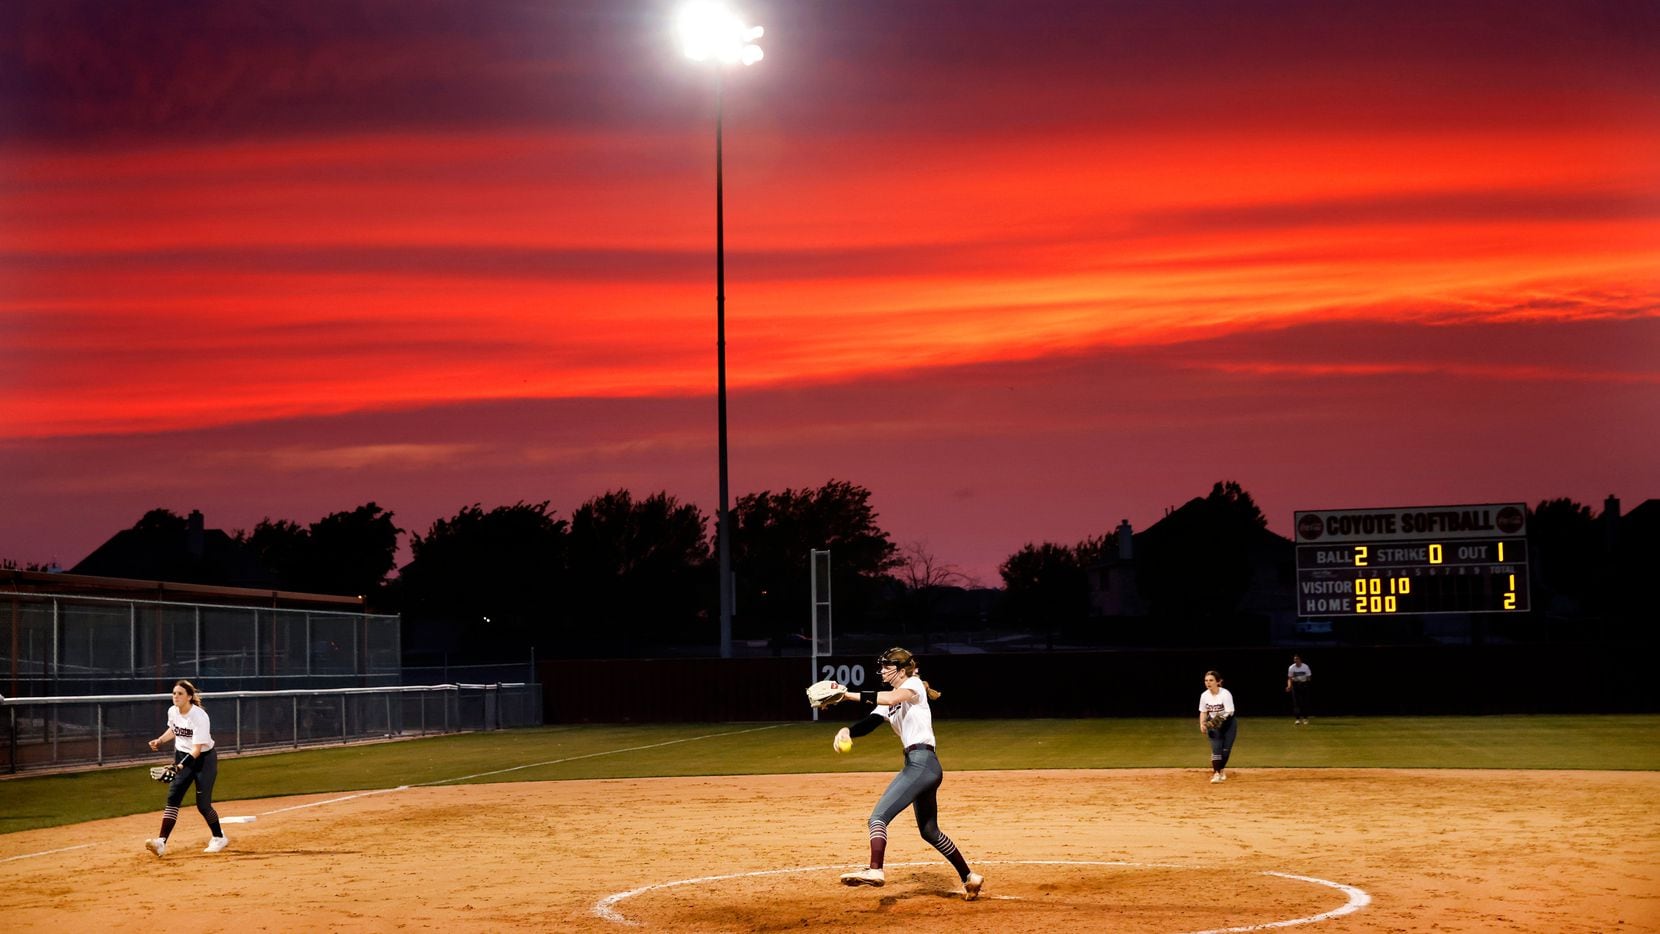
1391 578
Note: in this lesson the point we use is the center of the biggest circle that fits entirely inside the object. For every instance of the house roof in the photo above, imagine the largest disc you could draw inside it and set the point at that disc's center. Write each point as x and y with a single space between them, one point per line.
171 555
122 588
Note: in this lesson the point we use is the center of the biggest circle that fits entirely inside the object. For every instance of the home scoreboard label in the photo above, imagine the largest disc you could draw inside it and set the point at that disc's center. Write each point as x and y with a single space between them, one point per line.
1415 559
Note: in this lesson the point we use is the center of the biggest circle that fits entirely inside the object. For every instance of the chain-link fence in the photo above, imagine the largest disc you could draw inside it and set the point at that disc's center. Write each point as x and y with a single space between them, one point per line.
48 732
59 644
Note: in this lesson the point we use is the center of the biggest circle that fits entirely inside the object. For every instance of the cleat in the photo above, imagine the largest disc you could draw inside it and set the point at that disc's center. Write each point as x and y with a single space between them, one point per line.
971 886
156 845
863 877
1221 776
1215 777
217 844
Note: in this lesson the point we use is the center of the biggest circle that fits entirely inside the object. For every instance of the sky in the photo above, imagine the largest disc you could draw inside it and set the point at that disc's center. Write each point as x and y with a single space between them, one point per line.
1023 270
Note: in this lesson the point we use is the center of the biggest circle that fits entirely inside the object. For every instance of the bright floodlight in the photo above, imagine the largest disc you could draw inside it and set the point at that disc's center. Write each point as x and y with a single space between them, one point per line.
711 30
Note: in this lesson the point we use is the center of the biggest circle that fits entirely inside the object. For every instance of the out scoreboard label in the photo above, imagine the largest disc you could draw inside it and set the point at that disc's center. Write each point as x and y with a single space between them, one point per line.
1414 559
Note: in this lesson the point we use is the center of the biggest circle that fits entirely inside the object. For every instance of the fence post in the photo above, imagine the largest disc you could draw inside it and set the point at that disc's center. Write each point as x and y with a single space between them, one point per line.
296 721
239 724
388 714
99 729
342 718
57 663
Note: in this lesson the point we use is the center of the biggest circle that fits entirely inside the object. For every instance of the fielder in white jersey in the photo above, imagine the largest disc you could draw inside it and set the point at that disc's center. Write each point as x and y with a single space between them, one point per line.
1216 703
905 708
196 761
1297 678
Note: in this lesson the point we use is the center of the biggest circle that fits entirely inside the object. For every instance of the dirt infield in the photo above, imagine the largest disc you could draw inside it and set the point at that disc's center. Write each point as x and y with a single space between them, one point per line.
1121 850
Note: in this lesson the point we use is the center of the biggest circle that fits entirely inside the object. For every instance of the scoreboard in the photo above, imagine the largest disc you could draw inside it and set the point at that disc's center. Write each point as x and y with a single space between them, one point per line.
1415 559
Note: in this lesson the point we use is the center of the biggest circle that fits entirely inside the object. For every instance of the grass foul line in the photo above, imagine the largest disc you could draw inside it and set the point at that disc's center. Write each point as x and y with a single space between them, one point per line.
591 755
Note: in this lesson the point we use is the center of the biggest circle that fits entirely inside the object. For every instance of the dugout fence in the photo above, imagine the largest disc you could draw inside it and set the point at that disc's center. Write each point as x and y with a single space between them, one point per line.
96 730
60 644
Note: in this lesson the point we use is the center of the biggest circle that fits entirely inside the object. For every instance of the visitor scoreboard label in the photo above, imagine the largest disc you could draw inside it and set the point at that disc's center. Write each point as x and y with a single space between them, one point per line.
1413 559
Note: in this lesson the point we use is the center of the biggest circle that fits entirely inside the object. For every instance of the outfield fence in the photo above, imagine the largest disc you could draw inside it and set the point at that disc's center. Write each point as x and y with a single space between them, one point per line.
54 732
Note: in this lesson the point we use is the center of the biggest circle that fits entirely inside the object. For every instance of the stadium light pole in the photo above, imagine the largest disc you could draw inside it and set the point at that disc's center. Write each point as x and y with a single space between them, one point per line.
712 32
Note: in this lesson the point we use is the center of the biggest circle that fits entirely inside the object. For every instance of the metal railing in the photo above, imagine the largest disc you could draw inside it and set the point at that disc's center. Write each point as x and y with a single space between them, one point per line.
95 730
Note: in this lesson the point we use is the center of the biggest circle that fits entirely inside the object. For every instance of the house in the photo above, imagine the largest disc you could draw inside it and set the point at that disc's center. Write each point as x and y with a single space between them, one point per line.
164 547
1116 583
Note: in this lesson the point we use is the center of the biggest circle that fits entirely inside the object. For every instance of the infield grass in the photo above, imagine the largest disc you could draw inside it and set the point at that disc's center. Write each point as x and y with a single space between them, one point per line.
559 753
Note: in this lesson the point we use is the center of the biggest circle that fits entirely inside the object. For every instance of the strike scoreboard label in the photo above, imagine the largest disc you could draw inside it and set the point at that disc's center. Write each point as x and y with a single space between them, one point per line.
1415 559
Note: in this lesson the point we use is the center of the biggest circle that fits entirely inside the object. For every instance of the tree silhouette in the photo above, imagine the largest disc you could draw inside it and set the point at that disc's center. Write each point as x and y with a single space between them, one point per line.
282 547
1566 555
773 534
923 580
495 578
637 565
161 521
1045 588
346 553
352 552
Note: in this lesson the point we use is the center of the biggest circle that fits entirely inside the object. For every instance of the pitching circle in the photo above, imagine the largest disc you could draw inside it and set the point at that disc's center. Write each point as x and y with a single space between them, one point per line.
1357 898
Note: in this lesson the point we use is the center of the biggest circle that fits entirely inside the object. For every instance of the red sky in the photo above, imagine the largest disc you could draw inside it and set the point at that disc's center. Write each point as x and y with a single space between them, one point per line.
1023 270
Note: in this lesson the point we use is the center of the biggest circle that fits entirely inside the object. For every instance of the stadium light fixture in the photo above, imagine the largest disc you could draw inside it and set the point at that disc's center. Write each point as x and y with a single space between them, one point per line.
711 30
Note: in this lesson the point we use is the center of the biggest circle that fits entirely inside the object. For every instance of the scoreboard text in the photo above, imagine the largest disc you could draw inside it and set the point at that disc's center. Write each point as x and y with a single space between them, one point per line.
1421 559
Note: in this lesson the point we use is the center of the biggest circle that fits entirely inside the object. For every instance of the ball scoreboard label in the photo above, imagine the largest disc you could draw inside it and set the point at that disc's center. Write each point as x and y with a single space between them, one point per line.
1416 559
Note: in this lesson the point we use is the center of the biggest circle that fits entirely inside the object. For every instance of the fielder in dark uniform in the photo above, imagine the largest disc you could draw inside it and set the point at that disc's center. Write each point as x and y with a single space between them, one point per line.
197 762
1216 703
905 708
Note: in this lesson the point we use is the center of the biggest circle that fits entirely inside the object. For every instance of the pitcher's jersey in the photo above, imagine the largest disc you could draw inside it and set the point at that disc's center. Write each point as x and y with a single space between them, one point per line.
913 721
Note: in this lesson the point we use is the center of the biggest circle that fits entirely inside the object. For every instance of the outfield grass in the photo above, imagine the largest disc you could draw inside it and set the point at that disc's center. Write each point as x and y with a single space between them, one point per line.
621 751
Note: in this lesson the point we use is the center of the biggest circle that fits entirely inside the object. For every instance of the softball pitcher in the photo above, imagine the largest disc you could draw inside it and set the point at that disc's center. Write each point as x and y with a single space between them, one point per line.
197 762
905 708
1216 703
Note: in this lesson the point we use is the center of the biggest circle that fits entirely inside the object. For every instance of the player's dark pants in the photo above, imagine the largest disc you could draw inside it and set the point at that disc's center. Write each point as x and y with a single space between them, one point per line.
1299 700
203 776
1221 743
916 786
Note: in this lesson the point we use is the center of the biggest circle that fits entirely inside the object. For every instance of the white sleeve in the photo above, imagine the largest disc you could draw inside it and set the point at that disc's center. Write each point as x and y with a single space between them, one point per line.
1227 703
201 727
1202 707
914 685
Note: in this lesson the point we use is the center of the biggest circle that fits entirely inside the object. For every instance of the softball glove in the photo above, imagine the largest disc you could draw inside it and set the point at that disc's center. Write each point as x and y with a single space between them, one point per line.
164 773
1215 722
821 694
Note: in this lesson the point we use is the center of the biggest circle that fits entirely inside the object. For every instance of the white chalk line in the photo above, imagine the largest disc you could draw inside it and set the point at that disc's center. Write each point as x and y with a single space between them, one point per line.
441 781
318 804
1357 899
61 849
